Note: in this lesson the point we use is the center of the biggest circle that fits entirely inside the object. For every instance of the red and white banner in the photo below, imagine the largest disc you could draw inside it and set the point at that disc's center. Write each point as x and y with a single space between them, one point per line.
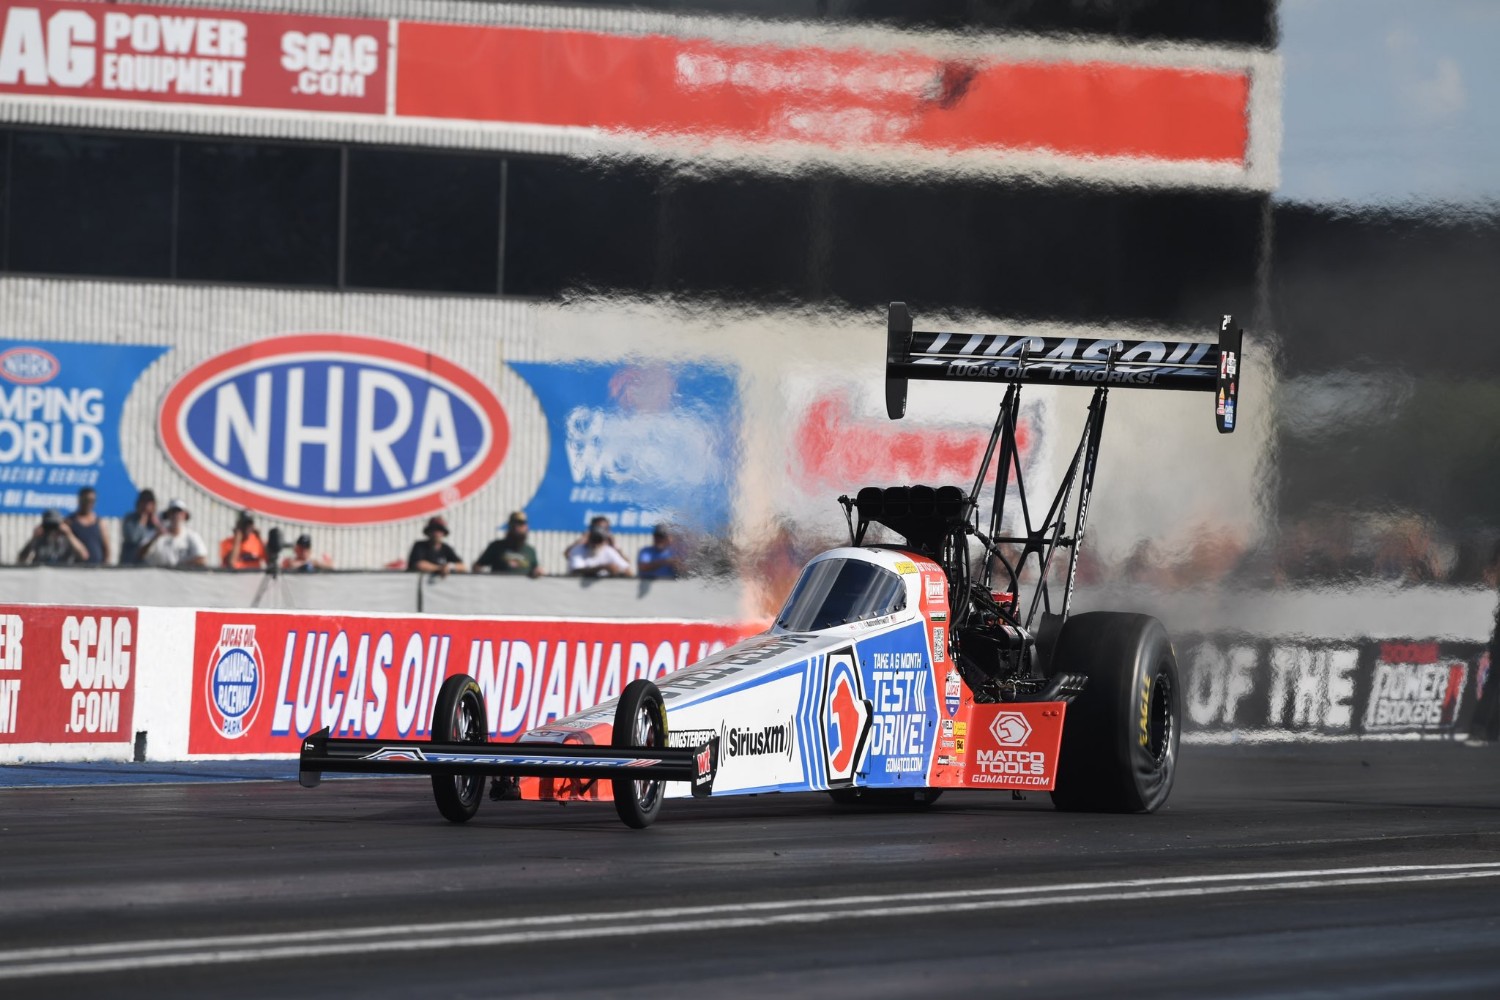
261 682
1077 106
177 55
67 675
660 85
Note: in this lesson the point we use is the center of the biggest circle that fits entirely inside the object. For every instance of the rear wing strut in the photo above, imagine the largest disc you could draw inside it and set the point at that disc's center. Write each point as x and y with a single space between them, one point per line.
320 752
1194 366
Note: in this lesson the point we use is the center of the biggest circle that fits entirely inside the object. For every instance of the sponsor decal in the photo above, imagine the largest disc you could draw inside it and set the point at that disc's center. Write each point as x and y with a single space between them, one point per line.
334 429
60 423
170 54
763 741
936 588
234 681
844 715
639 444
1010 729
67 675
1015 748
960 735
947 734
939 644
378 678
953 689
905 567
688 739
1414 689
899 677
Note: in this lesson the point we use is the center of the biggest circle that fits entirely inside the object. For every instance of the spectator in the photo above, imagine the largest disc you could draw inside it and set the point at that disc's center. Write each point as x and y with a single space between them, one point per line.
137 528
433 554
52 543
175 546
595 554
243 549
85 526
302 559
511 555
659 560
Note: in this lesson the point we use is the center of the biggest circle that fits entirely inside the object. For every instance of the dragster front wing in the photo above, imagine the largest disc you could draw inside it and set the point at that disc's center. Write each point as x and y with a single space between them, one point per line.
695 765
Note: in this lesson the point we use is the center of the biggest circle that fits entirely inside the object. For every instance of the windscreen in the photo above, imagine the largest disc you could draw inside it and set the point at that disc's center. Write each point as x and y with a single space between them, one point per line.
840 591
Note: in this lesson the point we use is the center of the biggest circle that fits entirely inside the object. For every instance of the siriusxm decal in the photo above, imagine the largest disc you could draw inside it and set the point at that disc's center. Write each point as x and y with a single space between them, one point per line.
636 443
334 429
60 423
898 680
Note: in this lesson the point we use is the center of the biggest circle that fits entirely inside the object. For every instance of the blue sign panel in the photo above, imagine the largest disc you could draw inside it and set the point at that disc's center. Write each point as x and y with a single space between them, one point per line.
639 444
60 423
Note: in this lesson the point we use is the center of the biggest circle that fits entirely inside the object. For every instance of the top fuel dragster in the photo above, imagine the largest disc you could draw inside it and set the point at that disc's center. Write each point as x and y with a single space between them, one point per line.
893 672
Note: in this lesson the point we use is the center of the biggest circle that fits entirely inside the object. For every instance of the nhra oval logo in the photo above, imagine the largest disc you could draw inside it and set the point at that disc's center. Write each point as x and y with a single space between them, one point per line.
235 682
334 429
28 365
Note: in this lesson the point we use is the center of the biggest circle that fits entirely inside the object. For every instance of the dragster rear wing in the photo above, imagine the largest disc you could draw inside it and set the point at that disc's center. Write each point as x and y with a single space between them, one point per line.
1128 364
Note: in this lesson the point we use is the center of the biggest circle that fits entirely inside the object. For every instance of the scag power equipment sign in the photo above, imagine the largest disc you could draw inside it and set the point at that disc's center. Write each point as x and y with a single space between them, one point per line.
126 52
67 675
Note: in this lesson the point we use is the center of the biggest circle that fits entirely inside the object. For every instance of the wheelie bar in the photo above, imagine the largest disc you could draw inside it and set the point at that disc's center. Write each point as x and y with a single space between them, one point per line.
321 752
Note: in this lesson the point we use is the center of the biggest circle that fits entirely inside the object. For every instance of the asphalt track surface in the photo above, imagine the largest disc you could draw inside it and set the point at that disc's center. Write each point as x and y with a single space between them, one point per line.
1366 870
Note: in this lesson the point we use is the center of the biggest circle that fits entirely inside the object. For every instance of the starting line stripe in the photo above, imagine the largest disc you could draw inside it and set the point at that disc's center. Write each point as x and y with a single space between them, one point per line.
180 952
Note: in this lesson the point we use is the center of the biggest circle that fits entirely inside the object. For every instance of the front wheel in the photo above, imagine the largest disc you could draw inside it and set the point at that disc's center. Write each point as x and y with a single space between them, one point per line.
1120 736
640 721
458 717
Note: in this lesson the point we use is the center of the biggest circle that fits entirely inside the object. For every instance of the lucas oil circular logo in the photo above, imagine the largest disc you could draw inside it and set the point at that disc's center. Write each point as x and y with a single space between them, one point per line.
233 688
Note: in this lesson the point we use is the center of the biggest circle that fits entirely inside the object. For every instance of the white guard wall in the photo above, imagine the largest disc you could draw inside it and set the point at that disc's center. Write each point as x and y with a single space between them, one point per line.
1164 471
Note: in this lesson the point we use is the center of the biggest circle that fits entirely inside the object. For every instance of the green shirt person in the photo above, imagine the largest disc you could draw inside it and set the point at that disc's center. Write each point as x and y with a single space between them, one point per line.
510 554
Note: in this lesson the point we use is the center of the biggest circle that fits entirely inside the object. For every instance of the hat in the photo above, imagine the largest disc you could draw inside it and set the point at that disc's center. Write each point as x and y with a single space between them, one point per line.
304 541
51 517
175 504
435 524
245 518
516 517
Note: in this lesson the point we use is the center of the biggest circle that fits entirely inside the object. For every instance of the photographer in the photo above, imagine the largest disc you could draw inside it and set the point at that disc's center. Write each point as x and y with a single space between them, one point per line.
243 549
595 554
52 543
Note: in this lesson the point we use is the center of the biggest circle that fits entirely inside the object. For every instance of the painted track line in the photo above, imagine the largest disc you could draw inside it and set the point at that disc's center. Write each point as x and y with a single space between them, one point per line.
180 952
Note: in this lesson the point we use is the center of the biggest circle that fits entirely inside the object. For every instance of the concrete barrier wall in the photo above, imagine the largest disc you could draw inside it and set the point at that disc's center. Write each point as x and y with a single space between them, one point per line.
95 680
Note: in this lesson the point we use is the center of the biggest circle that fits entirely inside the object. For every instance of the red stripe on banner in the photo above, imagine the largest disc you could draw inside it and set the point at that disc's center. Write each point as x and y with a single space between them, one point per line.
659 85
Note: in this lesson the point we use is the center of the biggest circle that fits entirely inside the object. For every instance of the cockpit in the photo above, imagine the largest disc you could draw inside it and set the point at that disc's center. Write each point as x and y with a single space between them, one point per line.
833 592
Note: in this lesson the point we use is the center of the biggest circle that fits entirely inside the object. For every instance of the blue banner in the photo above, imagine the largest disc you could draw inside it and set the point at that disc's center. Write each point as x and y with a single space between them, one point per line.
60 423
639 444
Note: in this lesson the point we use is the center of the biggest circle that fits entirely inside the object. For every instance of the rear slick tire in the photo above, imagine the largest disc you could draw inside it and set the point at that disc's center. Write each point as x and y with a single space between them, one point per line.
459 717
1120 736
640 721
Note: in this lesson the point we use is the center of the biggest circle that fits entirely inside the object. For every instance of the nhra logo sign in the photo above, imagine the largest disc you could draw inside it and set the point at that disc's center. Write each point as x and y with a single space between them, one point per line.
334 429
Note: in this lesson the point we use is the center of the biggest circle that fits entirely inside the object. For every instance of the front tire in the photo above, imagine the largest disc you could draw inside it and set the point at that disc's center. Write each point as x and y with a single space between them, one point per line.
640 721
1120 736
459 717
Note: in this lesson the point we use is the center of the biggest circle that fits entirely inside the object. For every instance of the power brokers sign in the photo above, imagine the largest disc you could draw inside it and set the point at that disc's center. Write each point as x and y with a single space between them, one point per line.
67 675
